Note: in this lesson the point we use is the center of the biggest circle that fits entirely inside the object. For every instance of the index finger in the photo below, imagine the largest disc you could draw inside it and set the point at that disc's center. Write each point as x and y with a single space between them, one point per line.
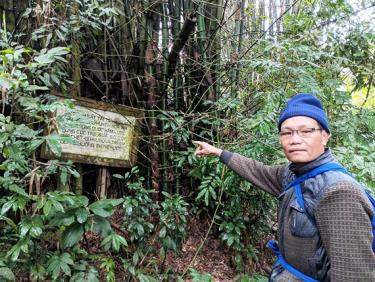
199 143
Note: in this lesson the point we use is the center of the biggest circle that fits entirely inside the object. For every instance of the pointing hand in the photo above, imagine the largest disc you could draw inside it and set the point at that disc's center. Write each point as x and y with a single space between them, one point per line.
205 149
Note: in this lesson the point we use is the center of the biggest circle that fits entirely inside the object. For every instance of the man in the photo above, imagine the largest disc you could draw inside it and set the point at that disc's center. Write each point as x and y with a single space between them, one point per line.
329 239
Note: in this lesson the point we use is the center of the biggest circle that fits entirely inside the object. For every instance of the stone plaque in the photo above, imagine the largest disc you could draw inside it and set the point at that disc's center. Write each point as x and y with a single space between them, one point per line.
104 134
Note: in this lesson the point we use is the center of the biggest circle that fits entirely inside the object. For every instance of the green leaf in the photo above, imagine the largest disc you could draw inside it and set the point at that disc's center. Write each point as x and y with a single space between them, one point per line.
140 229
44 59
136 257
72 235
99 225
58 51
59 263
9 222
35 87
201 194
33 226
81 215
115 240
145 278
92 276
29 103
54 145
25 226
5 83
55 79
101 209
7 51
34 144
15 188
6 207
63 175
47 208
105 207
163 232
7 274
128 209
119 176
57 205
14 252
73 172
62 218
230 241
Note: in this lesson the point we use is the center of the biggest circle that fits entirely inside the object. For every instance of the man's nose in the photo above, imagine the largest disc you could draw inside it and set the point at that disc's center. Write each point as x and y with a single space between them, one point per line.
295 138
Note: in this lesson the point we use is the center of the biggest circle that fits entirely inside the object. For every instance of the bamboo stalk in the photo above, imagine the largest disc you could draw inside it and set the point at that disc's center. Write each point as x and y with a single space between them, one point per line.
76 91
216 53
240 38
278 24
105 63
254 21
201 32
129 24
262 15
270 17
235 48
164 90
175 15
151 82
142 40
76 60
201 39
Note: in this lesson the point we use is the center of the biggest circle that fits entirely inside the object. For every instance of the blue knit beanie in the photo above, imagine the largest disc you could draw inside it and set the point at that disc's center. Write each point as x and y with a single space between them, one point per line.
304 104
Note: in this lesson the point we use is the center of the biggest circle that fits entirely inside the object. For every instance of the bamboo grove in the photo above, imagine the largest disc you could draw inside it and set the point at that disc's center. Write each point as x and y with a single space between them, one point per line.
159 56
212 70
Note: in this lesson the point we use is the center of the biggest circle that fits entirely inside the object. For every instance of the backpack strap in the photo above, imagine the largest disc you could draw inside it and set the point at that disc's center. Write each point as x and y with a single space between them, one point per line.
316 171
372 200
296 183
271 244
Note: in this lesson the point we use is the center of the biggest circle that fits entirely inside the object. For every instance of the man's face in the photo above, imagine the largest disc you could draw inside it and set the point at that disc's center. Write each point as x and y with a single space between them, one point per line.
305 145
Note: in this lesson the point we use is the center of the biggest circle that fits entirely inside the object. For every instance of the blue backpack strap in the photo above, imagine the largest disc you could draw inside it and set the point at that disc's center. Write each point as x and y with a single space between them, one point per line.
372 200
275 248
296 183
298 192
316 171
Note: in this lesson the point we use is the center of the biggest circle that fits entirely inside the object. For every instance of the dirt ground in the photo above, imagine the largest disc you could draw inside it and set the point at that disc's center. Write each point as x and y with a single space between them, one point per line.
214 257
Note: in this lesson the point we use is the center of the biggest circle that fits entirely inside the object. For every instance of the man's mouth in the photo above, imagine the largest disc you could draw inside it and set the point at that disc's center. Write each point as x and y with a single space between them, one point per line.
296 150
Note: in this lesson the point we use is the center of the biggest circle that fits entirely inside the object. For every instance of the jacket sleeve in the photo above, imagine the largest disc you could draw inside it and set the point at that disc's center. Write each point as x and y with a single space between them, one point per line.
343 216
268 178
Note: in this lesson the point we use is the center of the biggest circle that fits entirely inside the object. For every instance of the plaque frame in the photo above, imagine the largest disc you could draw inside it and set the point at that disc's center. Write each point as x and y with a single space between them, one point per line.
97 160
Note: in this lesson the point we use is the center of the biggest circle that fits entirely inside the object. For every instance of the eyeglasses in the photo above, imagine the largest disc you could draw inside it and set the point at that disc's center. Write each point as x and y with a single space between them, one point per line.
304 133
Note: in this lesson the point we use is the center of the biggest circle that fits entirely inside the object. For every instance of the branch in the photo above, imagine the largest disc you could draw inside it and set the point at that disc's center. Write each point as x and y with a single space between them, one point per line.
178 44
368 90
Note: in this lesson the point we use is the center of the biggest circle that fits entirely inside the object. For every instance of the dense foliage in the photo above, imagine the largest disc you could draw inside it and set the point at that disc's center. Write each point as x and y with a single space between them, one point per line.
47 232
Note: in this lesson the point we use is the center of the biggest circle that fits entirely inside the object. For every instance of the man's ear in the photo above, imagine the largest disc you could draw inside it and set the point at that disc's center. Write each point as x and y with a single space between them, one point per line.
325 137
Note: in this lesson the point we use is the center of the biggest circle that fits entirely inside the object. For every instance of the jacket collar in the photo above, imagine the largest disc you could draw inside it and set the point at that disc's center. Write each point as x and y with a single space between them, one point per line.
301 168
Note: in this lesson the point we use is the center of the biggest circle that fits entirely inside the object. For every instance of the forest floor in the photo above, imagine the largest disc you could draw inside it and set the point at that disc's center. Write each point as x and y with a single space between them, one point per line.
215 258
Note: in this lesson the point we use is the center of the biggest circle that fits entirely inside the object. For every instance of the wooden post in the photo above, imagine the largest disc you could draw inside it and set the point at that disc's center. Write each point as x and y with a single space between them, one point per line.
102 182
79 180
